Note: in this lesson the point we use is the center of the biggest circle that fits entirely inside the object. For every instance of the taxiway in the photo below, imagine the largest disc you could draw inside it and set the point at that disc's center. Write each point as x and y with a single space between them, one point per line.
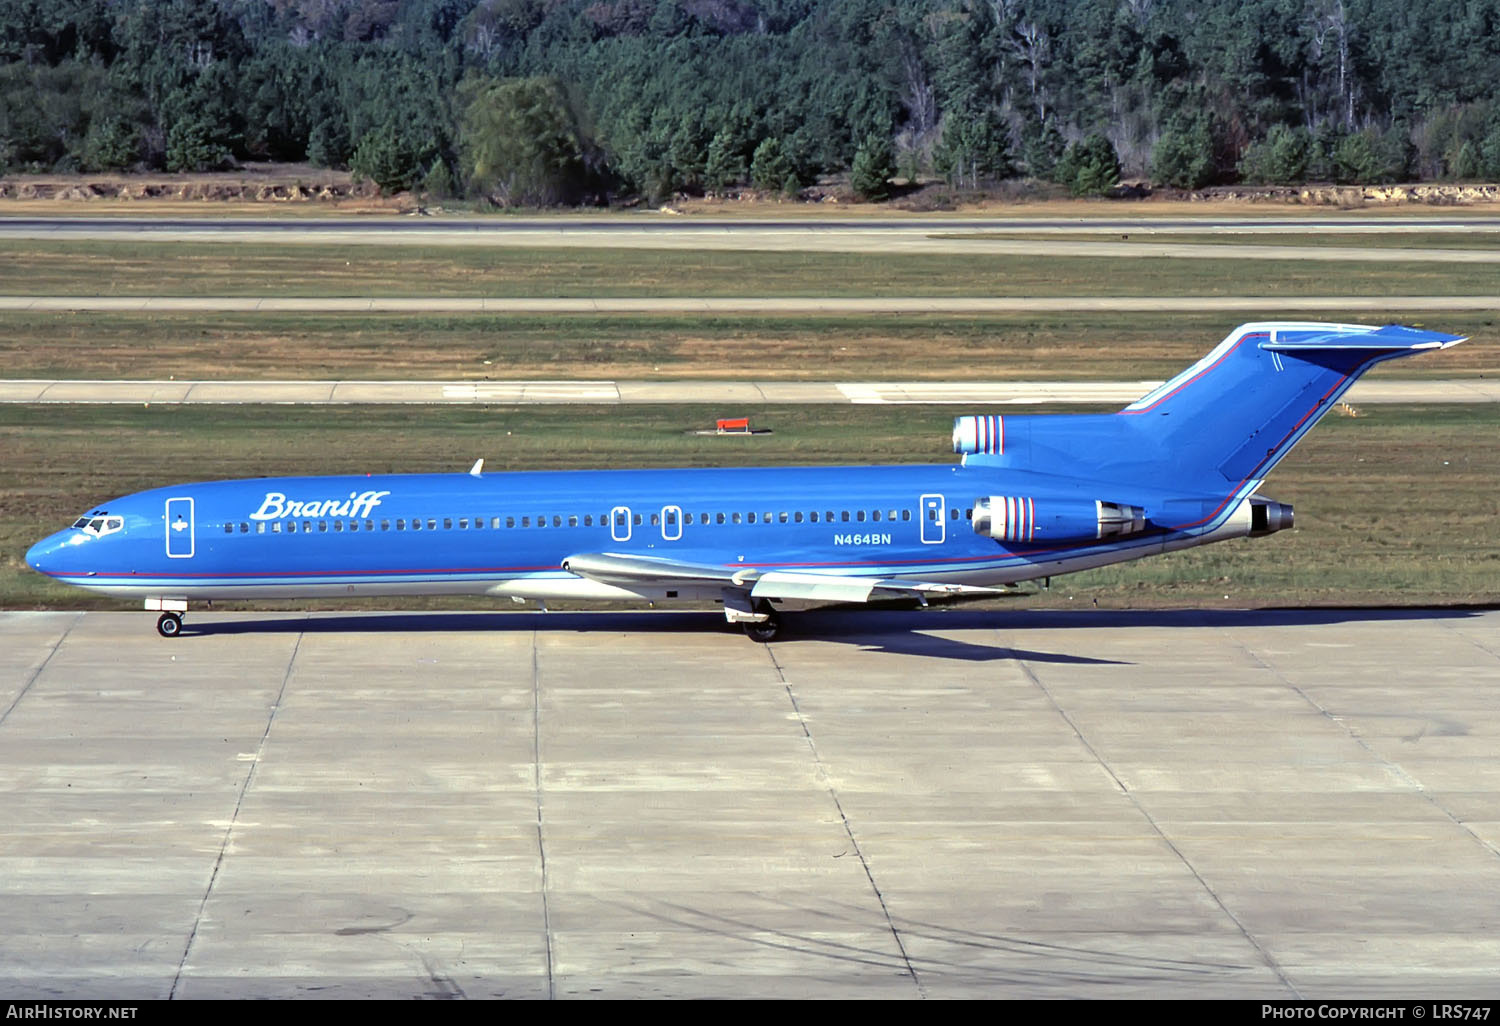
1271 804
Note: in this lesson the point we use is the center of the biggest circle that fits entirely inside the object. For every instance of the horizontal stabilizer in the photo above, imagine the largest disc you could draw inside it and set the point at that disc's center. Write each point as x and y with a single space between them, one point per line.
1392 338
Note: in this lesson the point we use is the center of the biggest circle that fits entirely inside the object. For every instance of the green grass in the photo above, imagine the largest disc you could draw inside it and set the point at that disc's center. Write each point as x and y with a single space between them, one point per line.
1072 346
51 267
1394 507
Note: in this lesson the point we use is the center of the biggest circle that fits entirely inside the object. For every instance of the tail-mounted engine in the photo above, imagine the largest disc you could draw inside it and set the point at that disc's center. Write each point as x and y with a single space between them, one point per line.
1267 517
1013 518
984 434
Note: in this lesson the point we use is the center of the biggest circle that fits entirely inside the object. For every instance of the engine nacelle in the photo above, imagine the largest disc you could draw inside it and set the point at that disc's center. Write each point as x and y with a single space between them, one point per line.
1267 517
1014 518
984 434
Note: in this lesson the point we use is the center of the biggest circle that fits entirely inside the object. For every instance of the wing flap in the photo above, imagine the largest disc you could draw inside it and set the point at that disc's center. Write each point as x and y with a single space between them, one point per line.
627 571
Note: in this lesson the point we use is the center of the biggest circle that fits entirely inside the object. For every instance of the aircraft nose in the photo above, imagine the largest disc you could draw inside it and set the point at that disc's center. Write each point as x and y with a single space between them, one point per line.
42 557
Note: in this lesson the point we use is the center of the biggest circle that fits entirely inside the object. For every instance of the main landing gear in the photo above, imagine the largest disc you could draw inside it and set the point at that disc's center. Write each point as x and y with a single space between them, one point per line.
169 625
764 630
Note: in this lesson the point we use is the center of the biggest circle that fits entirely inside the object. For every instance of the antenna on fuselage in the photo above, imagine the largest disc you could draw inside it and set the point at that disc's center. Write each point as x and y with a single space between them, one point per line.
477 467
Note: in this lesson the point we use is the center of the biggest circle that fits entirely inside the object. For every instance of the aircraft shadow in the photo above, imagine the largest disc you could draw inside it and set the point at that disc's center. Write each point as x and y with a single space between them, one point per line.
905 632
902 633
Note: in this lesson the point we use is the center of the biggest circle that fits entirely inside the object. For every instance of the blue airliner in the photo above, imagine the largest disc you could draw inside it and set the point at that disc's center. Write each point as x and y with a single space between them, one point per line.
1032 497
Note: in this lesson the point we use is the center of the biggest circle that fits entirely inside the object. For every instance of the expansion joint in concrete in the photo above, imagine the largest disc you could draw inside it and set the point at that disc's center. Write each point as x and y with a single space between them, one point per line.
838 805
1156 828
239 801
1389 765
536 771
37 673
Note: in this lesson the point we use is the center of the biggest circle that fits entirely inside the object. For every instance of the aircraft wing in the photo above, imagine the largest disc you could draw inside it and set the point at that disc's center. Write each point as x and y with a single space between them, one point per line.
628 570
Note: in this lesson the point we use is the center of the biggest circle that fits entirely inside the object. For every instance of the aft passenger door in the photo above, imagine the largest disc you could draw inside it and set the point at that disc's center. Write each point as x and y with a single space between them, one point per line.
179 527
934 515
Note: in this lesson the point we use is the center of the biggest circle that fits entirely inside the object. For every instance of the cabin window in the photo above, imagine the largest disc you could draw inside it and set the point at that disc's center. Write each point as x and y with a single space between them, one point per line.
431 524
400 523
354 525
797 517
752 516
736 517
244 527
573 521
875 515
307 527
276 527
291 527
813 516
416 525
588 520
463 523
338 525
556 520
845 515
322 527
510 521
447 523
859 515
782 517
655 519
228 528
953 513
369 525
703 519
718 518
385 525
969 513
541 521
931 513
830 517
637 520
260 527
495 523
906 514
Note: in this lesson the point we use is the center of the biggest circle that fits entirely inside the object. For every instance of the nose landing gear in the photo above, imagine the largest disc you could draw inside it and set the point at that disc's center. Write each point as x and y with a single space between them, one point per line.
169 625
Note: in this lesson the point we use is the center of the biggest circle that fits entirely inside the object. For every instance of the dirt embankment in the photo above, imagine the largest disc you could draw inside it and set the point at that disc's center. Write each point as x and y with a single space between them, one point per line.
294 185
229 192
1436 194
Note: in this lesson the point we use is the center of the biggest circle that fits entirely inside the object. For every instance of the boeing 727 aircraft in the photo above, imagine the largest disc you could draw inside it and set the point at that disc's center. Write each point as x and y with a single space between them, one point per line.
1032 497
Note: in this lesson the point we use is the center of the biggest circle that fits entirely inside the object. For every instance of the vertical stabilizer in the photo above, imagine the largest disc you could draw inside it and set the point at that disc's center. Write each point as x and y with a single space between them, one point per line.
1230 417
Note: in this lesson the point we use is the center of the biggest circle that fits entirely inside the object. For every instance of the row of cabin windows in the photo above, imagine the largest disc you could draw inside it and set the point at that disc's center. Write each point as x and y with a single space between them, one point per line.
637 519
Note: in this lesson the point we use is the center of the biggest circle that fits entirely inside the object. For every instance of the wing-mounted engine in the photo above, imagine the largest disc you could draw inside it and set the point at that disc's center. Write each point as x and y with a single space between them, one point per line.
1017 518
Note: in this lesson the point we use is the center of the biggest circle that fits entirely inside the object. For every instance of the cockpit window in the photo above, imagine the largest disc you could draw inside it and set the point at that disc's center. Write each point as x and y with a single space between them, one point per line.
99 526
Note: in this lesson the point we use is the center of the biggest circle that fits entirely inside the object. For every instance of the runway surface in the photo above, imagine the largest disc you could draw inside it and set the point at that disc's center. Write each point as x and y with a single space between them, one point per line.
1276 804
1272 307
884 235
530 393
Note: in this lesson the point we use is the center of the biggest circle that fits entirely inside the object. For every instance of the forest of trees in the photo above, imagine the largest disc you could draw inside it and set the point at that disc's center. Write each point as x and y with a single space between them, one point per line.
582 101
